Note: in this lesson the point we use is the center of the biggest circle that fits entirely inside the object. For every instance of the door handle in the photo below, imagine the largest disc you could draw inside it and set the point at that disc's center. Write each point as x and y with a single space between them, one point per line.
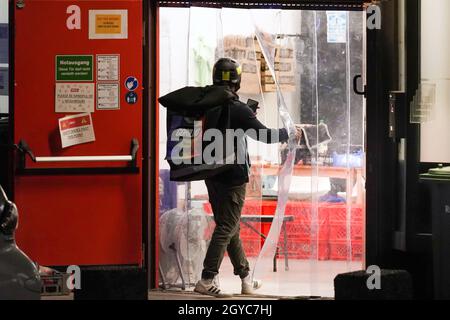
25 150
355 86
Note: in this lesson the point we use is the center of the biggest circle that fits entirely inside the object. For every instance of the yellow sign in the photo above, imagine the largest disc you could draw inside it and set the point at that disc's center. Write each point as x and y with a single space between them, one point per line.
108 24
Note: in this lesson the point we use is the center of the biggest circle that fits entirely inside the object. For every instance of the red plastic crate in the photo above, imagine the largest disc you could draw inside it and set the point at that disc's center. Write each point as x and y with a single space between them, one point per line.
246 231
303 249
338 231
252 247
251 207
339 213
332 232
303 231
338 250
299 209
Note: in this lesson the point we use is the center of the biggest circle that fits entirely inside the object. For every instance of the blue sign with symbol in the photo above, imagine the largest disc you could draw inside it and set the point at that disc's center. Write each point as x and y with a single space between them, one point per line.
131 97
131 83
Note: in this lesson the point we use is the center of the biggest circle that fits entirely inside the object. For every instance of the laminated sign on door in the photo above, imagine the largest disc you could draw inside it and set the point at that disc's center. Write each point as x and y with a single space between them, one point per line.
108 24
74 97
76 129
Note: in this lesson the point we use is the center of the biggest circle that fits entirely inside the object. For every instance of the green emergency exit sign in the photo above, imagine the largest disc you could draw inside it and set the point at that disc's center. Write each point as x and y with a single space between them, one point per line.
74 68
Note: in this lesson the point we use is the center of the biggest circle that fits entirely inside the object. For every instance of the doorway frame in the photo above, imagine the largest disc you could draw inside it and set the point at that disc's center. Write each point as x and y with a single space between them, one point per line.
151 74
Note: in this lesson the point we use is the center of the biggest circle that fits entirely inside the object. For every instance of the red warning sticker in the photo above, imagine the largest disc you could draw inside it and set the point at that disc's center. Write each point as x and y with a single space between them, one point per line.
76 129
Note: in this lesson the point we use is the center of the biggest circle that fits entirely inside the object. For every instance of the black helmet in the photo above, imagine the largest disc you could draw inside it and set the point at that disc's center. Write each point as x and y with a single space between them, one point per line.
227 72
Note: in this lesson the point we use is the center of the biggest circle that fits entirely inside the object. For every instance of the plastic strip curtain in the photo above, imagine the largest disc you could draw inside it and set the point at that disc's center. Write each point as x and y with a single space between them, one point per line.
192 39
327 51
265 265
298 65
173 40
274 40
238 42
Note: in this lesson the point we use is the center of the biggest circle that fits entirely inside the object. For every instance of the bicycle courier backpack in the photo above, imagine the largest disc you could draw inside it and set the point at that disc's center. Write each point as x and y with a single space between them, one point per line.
191 111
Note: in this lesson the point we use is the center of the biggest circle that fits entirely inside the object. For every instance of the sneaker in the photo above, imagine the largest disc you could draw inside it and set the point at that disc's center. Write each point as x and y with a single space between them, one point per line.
207 287
249 286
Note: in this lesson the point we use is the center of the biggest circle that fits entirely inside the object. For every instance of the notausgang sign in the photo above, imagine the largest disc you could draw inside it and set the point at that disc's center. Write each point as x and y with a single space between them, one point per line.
74 68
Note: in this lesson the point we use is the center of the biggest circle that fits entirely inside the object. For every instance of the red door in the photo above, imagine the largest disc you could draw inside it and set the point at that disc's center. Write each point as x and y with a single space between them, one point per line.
72 58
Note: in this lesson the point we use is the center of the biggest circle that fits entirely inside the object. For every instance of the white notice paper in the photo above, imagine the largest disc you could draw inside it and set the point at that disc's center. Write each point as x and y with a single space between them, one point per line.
108 68
108 96
337 26
74 97
76 129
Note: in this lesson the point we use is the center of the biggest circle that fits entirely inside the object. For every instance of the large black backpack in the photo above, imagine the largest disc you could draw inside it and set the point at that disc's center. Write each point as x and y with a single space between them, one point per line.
211 106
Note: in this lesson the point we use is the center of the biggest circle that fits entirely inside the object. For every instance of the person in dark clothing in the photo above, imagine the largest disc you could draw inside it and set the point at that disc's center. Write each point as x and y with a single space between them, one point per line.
227 190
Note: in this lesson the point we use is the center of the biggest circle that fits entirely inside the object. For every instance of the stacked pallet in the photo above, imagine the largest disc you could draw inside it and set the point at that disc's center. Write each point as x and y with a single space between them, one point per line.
256 75
284 68
242 49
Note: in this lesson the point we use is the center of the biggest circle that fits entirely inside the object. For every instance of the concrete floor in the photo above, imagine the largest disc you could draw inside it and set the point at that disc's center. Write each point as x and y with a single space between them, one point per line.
304 279
171 295
189 295
156 295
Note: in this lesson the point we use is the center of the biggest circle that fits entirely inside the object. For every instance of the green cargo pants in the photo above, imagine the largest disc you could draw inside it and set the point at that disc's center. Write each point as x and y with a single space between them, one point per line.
226 202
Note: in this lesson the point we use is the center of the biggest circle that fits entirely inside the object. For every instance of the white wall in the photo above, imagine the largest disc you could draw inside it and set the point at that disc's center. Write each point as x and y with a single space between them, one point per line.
3 19
435 135
173 62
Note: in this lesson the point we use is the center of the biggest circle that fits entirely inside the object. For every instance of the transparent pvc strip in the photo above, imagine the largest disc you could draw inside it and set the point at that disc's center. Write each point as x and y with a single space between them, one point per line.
264 263
349 192
314 237
236 42
184 238
174 225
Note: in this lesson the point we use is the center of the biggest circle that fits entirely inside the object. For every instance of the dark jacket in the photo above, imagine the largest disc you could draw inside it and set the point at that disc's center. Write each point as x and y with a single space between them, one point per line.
224 111
242 117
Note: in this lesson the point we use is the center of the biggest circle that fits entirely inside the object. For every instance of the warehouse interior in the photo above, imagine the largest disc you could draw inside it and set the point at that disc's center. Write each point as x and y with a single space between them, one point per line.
311 65
366 186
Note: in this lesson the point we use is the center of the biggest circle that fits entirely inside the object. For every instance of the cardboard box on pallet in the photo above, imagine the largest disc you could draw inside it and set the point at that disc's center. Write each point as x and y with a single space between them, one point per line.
242 50
250 82
255 71
284 68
